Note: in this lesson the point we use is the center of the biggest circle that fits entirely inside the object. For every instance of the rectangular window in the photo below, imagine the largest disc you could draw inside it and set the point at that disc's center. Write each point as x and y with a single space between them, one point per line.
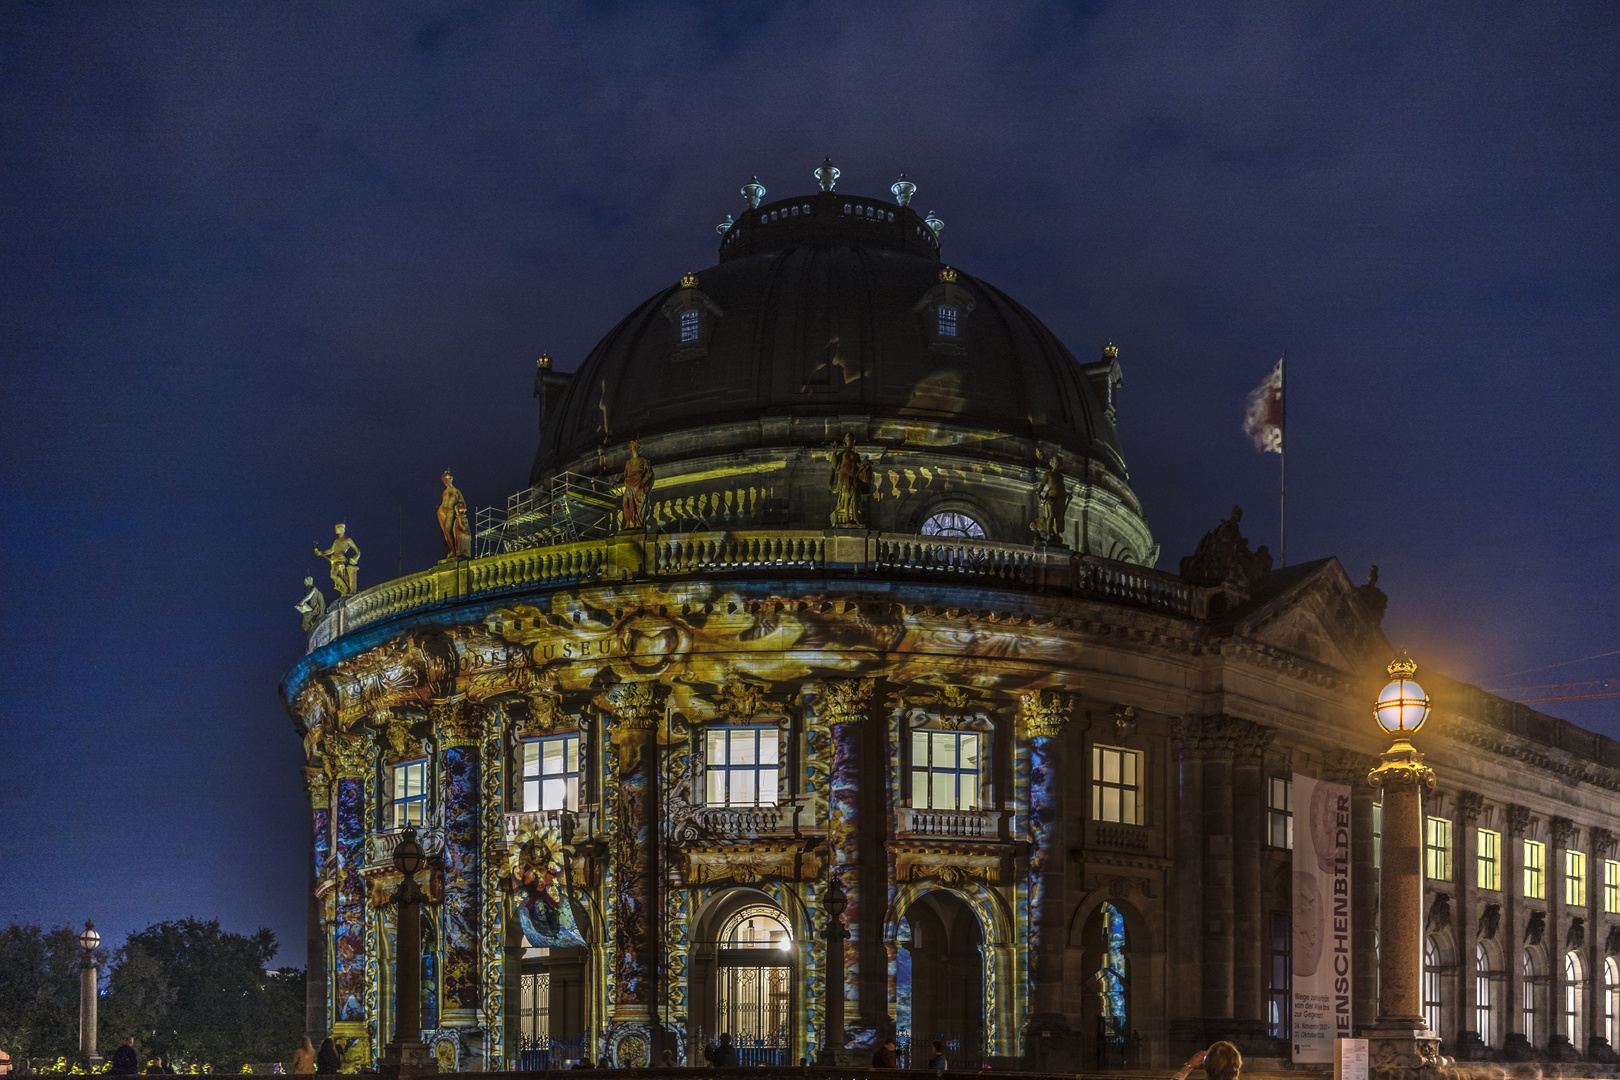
1490 859
741 765
1280 812
1279 977
551 773
1437 849
1611 886
1575 878
689 326
410 794
1535 870
944 769
947 321
1115 791
1378 834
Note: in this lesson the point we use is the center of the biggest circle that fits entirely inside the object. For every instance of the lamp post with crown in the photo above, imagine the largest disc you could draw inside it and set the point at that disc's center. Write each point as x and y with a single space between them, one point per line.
1401 1039
832 1034
89 974
406 1054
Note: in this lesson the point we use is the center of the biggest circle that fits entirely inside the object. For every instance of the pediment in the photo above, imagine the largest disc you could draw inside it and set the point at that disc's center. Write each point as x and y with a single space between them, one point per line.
1320 619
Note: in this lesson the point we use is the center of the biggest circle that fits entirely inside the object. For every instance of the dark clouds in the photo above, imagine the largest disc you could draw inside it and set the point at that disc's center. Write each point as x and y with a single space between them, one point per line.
266 267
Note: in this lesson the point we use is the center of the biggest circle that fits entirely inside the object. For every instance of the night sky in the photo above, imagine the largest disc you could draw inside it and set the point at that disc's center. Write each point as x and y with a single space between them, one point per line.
265 267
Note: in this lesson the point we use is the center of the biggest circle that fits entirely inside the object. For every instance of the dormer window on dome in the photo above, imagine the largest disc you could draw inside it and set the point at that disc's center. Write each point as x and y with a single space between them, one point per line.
945 309
692 316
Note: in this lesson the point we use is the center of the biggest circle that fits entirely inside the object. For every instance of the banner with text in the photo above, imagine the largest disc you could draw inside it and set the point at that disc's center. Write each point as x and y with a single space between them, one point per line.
1321 921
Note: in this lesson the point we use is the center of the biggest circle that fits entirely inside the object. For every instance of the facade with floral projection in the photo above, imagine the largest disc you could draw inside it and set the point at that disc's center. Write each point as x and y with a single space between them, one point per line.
885 613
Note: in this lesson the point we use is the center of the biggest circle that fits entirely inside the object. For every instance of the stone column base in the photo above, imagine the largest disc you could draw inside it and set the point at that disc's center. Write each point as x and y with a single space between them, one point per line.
407 1059
1598 1050
1518 1048
1559 1048
1470 1047
1400 1051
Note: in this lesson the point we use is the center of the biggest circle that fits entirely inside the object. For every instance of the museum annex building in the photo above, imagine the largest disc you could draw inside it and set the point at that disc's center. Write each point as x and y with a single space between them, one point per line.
829 570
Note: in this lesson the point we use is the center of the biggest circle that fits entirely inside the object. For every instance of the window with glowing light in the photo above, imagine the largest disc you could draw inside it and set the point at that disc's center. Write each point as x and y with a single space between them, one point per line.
947 321
689 326
1489 859
1575 878
740 765
1535 870
952 523
1115 785
1482 993
1527 995
551 773
410 804
1611 886
1280 812
944 769
1437 849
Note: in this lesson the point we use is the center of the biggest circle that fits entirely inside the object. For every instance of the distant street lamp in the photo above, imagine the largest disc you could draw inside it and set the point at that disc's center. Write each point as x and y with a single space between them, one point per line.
406 1054
1401 1036
832 1036
89 941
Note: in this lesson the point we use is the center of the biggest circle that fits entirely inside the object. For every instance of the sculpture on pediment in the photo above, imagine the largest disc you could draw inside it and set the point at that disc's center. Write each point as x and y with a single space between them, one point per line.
344 556
1373 599
453 520
851 476
312 606
1223 557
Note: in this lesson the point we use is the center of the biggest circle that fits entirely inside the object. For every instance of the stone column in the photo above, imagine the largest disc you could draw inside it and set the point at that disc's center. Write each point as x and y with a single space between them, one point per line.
1212 740
1187 886
1250 931
632 801
459 729
352 758
1559 1045
1516 1047
1599 846
1350 768
1043 715
842 704
319 787
1470 1042
1401 1039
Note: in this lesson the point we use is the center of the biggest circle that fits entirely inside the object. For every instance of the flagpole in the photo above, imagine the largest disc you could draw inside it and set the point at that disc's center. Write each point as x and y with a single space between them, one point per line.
1282 373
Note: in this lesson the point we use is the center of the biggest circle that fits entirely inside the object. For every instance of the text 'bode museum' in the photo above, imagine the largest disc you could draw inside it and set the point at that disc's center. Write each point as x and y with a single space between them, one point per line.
829 570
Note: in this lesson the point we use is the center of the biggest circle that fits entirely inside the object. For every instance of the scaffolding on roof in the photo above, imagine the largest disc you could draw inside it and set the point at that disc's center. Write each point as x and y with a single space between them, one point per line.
572 508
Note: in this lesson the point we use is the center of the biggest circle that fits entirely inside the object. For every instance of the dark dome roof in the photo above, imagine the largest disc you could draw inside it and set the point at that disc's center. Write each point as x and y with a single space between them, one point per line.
825 305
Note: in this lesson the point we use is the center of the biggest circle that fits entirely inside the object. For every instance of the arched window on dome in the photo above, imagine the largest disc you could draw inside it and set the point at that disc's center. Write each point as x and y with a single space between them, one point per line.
952 523
945 310
692 316
947 321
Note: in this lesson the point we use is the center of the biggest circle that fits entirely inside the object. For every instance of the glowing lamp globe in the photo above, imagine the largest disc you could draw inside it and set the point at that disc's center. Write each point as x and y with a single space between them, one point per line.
89 939
1402 705
408 856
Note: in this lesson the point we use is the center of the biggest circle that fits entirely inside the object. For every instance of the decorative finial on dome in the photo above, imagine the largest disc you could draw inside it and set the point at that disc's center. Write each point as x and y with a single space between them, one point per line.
543 362
903 190
948 276
725 226
1402 667
1110 351
754 192
688 281
934 222
828 175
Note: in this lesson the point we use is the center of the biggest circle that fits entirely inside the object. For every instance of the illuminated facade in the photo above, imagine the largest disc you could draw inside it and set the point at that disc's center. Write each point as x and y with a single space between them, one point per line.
891 617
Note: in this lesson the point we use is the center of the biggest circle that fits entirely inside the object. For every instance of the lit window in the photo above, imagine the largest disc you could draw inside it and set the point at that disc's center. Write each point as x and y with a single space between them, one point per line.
952 523
551 773
410 794
1437 849
1611 886
1279 978
1575 878
741 766
689 326
1527 994
1574 977
1482 993
1280 812
1535 870
947 320
1431 984
1115 794
1611 999
944 769
1490 859
1378 834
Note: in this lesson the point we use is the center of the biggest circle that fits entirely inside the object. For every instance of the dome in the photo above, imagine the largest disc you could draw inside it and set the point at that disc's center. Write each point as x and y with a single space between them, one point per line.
832 305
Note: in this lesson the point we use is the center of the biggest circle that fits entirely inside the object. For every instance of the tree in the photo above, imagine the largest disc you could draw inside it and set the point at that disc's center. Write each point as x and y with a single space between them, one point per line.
39 991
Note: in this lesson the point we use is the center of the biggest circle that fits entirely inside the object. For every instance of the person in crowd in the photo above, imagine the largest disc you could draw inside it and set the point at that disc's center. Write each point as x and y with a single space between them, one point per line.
883 1057
124 1062
604 1063
583 1063
938 1062
327 1060
722 1054
303 1062
1221 1062
667 1060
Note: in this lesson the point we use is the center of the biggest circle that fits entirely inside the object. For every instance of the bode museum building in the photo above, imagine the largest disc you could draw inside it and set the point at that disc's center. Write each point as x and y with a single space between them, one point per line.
829 586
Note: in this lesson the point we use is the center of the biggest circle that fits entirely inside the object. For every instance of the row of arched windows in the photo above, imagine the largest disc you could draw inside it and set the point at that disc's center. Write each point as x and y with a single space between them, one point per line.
1488 1000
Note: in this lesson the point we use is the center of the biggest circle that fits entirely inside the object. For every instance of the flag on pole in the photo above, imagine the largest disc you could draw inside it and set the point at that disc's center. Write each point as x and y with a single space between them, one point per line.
1263 422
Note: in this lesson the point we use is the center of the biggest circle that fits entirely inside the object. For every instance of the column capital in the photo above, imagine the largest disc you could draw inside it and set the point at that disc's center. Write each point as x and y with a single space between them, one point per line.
637 706
319 788
1602 841
1046 712
1518 820
455 721
1347 767
844 701
1470 805
1560 831
1220 736
1402 766
349 754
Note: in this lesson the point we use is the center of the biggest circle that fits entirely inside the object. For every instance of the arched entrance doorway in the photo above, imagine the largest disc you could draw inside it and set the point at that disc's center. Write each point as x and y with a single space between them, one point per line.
947 979
1106 1007
756 984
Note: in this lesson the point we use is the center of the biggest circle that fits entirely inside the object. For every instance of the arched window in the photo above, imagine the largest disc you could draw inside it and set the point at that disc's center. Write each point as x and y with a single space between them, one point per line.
1482 993
1431 983
952 523
756 984
689 325
1527 994
1574 987
947 320
1611 1000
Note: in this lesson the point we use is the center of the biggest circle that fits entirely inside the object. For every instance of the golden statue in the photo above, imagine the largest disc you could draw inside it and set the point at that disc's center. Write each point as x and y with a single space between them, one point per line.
453 520
851 476
1054 498
312 606
343 572
638 484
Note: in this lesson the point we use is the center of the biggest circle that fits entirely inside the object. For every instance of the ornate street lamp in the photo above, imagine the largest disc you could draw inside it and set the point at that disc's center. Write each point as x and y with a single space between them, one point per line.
89 941
832 1035
1401 1038
406 1055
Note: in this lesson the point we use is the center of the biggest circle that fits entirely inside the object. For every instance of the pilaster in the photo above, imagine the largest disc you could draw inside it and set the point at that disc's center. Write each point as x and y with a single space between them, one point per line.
1517 1046
1470 1042
1250 933
842 705
1043 716
1559 1046
458 729
632 865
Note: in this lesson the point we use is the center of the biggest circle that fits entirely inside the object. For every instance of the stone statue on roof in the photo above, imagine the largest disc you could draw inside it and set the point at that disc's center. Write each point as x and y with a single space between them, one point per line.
851 476
638 484
312 606
1054 500
344 575
1223 558
453 520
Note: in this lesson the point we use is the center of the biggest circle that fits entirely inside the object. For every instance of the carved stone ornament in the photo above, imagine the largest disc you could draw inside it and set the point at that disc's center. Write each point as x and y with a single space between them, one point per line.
1347 767
319 787
747 866
948 864
396 728
546 713
1223 557
1046 712
455 721
1535 928
1611 944
1489 920
1561 831
1602 841
1219 736
1124 722
1402 767
1576 937
1470 805
638 705
1439 917
944 698
1518 820
349 754
739 701
844 701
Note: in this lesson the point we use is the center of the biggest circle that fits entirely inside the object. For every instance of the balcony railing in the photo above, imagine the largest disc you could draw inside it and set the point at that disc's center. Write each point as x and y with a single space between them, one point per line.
583 825
384 843
763 551
947 824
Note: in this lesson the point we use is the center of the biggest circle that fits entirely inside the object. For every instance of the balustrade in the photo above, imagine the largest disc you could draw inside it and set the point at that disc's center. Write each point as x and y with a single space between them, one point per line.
953 824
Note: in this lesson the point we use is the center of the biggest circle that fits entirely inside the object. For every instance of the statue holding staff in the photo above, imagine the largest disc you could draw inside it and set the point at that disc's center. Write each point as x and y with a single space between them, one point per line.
638 484
453 520
344 575
851 476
